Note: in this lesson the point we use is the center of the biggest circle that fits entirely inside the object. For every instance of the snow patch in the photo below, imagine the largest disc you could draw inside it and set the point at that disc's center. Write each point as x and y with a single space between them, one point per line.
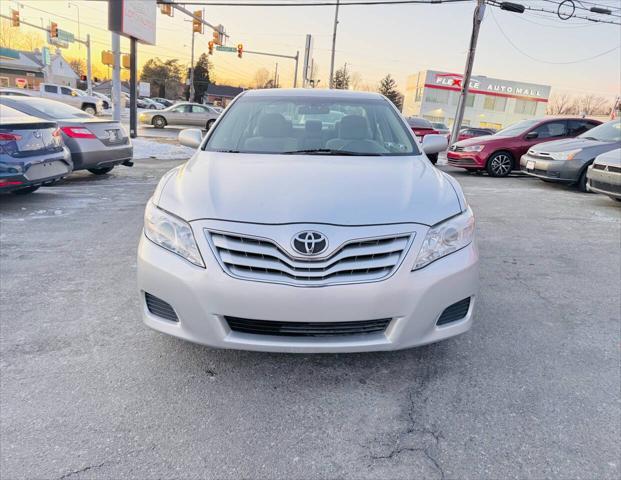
144 148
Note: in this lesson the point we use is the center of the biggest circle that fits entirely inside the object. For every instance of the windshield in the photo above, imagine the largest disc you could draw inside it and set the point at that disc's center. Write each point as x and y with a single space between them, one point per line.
608 132
53 109
312 124
517 128
440 126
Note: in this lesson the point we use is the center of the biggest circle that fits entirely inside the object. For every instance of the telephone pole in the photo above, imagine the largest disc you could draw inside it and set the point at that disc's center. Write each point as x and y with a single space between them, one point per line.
336 22
479 12
191 99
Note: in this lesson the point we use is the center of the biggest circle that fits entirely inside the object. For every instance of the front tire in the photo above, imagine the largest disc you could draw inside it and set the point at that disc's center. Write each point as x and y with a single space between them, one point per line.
582 182
433 157
100 171
90 109
26 191
499 164
210 124
159 121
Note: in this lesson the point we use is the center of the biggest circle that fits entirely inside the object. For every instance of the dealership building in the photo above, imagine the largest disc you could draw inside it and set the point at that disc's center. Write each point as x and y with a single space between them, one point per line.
491 102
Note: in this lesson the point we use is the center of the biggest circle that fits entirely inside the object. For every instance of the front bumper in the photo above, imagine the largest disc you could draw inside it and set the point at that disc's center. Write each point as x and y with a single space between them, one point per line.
564 171
202 298
604 181
468 160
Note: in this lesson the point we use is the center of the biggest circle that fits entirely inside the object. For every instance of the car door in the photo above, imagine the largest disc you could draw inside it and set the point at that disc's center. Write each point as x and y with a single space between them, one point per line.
67 95
178 115
544 132
199 115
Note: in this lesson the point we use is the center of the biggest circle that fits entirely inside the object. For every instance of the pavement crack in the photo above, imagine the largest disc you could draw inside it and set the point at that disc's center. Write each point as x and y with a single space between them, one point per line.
81 470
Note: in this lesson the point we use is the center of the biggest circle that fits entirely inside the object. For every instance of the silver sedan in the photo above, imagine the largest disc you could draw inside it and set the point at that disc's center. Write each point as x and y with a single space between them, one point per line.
184 113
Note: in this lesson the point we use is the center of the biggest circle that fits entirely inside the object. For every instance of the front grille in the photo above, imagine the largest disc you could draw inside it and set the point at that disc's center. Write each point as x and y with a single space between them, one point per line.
614 169
455 312
608 187
599 166
306 329
365 260
159 307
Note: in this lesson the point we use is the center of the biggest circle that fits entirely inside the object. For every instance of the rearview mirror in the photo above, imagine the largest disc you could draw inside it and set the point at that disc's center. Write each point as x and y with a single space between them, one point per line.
531 135
190 137
433 143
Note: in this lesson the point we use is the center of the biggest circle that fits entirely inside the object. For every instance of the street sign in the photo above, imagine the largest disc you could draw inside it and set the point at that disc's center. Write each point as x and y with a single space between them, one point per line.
144 89
221 48
65 36
45 56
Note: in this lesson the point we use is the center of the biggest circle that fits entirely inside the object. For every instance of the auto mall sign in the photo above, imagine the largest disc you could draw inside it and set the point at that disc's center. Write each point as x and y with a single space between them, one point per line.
492 86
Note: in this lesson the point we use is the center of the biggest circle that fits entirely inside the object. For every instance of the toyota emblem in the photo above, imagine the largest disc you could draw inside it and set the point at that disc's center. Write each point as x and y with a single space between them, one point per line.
309 243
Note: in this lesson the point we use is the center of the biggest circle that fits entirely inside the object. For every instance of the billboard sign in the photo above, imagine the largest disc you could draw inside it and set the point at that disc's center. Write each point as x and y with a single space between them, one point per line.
133 18
144 89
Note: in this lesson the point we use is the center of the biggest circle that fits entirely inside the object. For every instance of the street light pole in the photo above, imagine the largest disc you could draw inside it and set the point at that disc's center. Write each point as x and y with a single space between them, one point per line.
192 71
89 68
295 74
336 22
479 12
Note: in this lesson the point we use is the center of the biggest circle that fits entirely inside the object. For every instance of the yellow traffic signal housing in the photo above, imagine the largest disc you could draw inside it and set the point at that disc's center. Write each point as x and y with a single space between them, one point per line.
107 58
166 9
210 46
197 24
125 62
15 18
240 50
54 30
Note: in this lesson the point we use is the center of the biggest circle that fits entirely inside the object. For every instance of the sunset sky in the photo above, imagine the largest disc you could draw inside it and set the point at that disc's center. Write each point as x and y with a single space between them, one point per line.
373 40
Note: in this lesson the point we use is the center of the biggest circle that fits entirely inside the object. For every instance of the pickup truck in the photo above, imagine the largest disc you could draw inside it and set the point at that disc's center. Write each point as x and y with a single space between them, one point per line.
90 104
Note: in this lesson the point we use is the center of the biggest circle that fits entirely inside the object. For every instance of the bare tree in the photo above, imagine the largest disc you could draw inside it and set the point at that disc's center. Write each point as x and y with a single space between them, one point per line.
355 80
561 104
262 79
12 37
77 65
590 104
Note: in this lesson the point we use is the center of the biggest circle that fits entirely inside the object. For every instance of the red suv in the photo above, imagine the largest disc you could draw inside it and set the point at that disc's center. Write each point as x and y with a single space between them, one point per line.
500 153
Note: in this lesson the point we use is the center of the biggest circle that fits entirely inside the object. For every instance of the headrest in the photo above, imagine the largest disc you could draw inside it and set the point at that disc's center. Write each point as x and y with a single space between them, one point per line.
313 126
273 125
354 127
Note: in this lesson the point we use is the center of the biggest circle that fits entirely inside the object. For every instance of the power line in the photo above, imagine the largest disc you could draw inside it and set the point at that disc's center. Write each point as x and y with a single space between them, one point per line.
498 3
321 3
548 61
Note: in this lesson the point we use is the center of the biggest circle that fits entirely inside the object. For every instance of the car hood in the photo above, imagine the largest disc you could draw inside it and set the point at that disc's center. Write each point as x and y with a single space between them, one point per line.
567 144
275 189
482 139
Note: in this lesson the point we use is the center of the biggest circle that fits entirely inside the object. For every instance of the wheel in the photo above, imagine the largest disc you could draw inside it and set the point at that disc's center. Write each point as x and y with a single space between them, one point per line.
582 182
210 124
151 107
499 164
159 121
90 110
100 170
24 191
433 157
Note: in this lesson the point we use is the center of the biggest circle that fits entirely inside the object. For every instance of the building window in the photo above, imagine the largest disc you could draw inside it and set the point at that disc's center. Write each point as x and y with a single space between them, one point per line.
495 126
4 81
431 118
435 95
497 104
469 99
419 94
526 107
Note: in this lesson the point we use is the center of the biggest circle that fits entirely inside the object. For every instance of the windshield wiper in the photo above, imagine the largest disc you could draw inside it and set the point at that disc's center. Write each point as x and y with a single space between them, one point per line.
592 138
330 151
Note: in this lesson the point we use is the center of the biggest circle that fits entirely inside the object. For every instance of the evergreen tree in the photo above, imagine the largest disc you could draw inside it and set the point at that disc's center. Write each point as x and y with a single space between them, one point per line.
341 79
201 77
388 88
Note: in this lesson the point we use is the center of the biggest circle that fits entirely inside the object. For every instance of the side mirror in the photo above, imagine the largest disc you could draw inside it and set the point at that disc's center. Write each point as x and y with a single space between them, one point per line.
434 143
531 135
190 137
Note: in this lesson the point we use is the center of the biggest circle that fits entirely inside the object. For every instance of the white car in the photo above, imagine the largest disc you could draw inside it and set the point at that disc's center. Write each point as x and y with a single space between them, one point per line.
152 104
293 235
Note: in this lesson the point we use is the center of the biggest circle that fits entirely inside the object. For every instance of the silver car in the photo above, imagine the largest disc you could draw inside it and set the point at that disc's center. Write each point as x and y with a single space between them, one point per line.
604 176
296 235
567 160
96 145
183 113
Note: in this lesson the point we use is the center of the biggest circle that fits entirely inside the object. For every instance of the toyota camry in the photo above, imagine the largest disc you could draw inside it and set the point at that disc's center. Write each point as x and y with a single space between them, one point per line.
288 233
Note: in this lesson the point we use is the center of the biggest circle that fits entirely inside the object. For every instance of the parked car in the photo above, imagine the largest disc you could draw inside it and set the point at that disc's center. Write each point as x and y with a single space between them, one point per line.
96 145
469 132
17 92
604 175
233 237
184 113
441 128
500 153
422 127
163 101
567 160
152 104
32 152
71 96
107 102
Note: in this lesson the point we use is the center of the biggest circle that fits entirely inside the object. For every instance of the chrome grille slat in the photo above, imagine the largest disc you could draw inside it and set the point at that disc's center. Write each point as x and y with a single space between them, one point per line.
356 261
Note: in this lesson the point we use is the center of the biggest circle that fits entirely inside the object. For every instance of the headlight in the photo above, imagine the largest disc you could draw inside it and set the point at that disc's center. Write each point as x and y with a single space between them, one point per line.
568 155
446 238
171 233
473 148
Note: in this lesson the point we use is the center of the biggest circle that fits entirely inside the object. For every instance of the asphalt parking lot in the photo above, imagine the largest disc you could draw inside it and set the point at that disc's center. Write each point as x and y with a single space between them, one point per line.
532 391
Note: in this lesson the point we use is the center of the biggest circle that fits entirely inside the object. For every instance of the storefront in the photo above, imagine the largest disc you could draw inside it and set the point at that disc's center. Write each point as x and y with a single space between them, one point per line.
491 103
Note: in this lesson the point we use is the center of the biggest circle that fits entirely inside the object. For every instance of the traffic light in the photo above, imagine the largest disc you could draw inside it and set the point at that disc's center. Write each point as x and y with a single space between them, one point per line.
216 38
15 18
197 24
210 45
54 30
107 58
240 50
166 9
83 78
125 61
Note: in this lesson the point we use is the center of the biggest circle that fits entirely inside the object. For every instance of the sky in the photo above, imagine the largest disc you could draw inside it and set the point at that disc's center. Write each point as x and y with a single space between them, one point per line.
373 40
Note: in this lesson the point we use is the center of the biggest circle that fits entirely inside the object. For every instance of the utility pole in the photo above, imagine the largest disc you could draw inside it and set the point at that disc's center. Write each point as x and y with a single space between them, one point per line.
295 74
479 12
276 76
116 77
336 22
192 71
89 68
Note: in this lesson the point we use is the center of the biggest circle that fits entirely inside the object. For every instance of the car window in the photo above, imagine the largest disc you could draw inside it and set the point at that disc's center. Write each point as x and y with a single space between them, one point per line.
607 132
551 129
66 91
50 89
297 124
180 108
516 129
199 109
576 127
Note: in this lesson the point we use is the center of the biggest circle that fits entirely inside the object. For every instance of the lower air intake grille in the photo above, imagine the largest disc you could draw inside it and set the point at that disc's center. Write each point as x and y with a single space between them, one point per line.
606 186
159 307
306 329
455 312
